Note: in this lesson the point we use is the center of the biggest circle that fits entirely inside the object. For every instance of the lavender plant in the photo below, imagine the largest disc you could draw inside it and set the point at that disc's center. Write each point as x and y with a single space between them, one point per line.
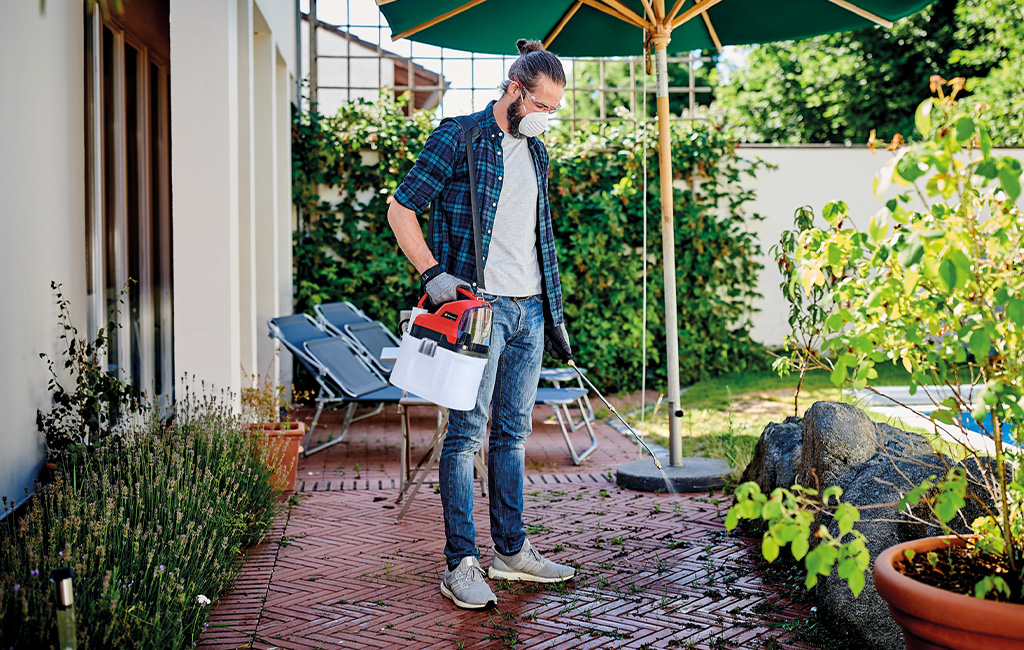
153 525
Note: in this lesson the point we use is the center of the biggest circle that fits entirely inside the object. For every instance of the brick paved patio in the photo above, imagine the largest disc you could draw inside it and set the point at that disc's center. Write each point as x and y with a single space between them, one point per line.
655 570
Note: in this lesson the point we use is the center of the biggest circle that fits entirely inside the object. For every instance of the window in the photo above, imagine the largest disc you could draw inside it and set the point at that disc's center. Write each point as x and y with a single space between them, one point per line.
128 220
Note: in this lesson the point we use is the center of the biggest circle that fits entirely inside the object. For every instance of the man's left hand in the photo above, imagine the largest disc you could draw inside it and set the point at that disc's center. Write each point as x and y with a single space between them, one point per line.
556 342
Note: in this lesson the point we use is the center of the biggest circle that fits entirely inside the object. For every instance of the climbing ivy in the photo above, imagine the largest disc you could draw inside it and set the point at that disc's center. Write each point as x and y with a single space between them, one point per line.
347 165
597 203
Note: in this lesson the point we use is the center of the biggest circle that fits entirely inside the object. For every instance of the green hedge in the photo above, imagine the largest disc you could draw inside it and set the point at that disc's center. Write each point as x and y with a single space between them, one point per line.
346 250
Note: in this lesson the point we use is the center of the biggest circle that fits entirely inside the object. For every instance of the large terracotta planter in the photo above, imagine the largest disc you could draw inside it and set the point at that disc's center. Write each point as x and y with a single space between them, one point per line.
283 439
936 619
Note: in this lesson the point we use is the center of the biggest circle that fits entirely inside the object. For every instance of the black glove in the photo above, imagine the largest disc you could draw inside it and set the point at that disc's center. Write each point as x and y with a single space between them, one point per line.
441 287
556 342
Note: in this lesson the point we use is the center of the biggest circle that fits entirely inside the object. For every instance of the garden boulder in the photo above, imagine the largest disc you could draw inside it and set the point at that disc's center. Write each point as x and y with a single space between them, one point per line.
777 456
875 464
837 438
880 481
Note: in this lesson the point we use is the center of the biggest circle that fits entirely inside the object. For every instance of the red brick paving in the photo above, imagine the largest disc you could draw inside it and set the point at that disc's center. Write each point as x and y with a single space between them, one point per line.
655 570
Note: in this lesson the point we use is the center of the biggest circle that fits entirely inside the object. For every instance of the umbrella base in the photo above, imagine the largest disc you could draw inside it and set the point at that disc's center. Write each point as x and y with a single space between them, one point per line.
694 475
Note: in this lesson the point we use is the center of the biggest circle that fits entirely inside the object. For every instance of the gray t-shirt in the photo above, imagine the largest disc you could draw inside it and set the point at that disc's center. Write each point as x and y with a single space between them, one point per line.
511 267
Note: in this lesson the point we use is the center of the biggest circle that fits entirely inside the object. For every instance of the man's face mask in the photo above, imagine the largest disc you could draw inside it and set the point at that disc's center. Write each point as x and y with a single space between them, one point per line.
532 124
528 124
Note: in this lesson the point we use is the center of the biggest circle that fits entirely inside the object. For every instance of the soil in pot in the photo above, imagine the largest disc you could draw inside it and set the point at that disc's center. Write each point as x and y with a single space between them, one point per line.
958 569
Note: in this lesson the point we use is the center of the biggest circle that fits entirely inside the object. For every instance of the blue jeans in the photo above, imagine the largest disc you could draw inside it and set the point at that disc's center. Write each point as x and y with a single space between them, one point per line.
509 385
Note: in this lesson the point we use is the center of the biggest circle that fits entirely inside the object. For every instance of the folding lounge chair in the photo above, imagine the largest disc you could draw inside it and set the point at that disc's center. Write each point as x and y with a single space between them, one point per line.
344 319
294 332
558 375
336 315
560 400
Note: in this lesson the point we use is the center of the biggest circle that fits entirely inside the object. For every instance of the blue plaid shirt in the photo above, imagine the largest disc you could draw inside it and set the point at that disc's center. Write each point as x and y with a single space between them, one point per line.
440 176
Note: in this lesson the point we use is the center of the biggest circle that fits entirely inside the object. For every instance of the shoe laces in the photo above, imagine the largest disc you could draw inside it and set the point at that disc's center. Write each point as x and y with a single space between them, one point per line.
535 555
473 574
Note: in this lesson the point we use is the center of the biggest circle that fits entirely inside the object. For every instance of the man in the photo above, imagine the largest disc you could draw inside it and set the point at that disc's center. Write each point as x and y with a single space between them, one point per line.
521 283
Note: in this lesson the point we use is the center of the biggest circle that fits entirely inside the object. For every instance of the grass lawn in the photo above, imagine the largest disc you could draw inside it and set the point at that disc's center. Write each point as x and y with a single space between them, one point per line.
724 417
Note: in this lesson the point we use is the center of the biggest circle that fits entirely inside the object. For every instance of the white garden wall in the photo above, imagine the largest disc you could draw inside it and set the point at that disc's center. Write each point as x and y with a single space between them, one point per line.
806 175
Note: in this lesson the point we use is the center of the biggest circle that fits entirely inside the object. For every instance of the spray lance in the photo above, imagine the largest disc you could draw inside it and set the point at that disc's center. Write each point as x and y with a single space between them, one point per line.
556 343
572 364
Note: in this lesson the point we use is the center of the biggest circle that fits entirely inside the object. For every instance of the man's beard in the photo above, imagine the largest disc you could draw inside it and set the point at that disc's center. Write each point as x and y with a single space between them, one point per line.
514 119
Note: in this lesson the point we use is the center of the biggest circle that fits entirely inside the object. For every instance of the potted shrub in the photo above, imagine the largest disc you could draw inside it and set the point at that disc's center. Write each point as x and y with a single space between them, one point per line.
266 408
935 283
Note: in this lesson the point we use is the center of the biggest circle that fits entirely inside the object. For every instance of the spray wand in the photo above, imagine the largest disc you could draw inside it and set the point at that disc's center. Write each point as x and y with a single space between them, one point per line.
572 364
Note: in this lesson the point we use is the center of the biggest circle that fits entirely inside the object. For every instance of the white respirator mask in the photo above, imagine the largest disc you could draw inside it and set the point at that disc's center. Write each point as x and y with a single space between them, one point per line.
533 124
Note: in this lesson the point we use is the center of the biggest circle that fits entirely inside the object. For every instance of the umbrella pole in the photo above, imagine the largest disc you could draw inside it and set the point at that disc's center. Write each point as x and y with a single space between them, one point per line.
668 247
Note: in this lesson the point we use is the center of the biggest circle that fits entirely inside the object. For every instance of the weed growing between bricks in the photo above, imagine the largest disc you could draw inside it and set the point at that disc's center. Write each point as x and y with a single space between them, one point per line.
639 582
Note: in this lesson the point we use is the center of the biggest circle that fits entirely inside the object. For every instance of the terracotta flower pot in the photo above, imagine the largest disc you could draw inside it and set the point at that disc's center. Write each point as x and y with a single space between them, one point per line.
284 439
936 619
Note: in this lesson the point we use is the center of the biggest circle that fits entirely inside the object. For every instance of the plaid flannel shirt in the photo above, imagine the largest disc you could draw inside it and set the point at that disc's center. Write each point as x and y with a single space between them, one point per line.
440 177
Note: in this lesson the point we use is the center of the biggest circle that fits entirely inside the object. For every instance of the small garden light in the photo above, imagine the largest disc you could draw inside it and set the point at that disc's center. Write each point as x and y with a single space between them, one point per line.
65 607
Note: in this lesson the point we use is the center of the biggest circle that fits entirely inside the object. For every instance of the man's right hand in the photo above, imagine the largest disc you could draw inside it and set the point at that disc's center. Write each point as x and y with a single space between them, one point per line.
441 288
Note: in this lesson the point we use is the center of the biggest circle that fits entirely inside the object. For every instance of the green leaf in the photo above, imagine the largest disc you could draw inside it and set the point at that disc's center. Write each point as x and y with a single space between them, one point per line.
835 321
947 504
799 547
948 274
911 255
838 375
878 227
731 519
910 168
944 416
986 142
979 344
833 212
821 560
846 516
964 129
769 548
987 168
831 492
962 262
1009 180
922 117
910 278
1015 311
856 582
989 583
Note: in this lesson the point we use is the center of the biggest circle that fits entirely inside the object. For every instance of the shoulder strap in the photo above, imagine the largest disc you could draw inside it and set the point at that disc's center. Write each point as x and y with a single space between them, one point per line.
472 130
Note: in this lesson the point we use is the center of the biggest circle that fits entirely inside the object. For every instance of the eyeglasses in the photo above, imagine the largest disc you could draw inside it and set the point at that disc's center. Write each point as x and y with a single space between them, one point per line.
547 108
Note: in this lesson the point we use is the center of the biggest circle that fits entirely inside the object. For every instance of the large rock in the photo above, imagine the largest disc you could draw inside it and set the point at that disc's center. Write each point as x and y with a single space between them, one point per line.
880 480
776 460
837 444
837 438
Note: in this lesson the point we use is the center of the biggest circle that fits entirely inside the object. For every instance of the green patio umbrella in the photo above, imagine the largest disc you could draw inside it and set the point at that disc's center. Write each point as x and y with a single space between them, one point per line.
617 28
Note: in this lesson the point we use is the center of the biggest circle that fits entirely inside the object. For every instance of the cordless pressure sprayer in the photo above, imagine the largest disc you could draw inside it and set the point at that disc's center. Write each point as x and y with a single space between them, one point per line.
444 351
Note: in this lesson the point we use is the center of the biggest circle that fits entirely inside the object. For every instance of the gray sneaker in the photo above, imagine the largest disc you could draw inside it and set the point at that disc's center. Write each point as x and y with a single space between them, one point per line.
466 587
529 565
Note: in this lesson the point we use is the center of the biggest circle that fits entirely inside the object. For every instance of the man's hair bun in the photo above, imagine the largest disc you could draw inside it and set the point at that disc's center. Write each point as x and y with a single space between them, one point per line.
525 46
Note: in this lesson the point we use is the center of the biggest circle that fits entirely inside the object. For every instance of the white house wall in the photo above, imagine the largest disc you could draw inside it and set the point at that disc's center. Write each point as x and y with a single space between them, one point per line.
42 208
214 151
219 169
